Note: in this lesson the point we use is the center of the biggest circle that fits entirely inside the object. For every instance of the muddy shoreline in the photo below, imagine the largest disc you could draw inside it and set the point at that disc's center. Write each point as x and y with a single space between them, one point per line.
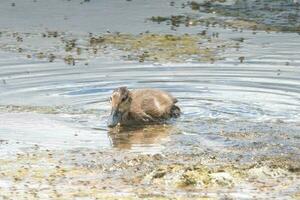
84 173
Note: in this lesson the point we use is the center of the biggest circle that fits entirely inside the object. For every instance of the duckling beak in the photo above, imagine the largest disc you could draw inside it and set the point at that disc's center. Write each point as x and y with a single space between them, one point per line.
114 118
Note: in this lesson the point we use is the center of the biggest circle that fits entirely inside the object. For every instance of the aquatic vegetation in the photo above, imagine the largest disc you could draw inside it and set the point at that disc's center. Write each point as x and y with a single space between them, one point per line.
256 15
144 47
264 15
69 59
70 44
159 47
50 34
176 20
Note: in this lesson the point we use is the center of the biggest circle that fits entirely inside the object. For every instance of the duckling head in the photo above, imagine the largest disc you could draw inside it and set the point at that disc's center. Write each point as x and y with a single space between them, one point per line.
120 101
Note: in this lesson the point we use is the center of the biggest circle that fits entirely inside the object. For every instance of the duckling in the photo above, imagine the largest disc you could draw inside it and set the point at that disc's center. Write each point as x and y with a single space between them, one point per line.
141 106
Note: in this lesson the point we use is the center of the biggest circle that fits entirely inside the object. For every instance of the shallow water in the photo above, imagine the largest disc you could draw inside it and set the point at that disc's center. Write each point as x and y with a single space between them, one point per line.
247 109
264 88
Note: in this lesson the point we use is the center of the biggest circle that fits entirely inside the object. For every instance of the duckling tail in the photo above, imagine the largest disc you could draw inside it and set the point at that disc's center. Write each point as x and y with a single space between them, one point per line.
175 111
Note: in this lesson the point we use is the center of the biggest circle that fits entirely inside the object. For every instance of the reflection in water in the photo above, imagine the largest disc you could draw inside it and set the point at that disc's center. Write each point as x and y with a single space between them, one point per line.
129 137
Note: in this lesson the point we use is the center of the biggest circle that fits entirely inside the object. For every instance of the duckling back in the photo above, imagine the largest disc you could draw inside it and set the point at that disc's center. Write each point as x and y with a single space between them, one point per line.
153 104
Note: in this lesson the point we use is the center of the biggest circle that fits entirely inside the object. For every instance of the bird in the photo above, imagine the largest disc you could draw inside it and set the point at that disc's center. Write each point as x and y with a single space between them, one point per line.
141 106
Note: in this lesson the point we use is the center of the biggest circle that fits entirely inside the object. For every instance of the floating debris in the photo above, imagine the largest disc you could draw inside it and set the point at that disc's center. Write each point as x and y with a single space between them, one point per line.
51 57
242 58
70 45
40 55
69 60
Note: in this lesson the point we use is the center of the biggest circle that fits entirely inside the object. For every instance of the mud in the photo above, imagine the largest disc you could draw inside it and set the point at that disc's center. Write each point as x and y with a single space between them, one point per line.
92 174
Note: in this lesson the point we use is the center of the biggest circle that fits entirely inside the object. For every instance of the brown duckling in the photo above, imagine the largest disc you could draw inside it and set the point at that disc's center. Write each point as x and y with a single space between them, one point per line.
141 106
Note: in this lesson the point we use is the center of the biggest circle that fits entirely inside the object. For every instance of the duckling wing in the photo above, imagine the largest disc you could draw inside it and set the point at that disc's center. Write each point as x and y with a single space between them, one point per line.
151 102
158 105
153 107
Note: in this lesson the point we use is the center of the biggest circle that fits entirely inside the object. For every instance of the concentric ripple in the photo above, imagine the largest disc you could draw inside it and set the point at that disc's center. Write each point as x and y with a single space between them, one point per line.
265 88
